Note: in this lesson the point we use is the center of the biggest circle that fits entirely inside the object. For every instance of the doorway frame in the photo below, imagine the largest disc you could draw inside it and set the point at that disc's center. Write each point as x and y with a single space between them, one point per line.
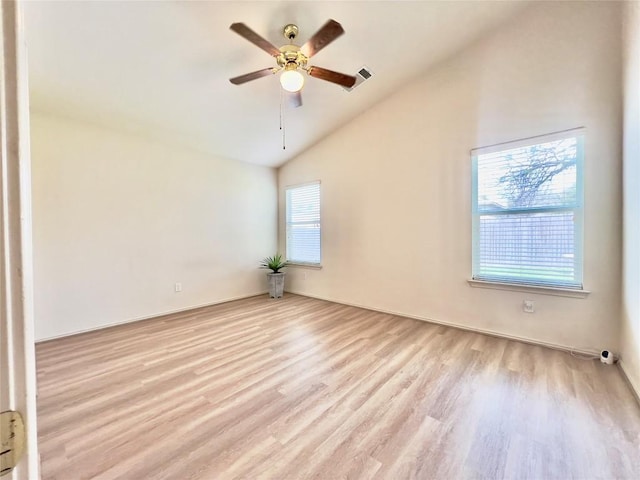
18 388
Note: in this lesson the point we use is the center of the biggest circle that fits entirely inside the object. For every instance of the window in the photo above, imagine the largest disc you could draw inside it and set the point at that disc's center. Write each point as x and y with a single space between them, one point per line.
527 211
303 223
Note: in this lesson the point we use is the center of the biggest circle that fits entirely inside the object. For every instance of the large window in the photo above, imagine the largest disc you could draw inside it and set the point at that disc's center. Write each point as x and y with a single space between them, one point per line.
303 223
527 211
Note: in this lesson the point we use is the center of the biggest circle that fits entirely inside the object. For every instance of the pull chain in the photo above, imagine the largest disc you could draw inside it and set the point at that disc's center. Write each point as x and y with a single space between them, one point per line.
282 122
280 109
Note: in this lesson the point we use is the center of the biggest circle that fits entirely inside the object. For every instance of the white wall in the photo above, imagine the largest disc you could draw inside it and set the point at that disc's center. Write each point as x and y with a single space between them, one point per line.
630 353
396 181
118 220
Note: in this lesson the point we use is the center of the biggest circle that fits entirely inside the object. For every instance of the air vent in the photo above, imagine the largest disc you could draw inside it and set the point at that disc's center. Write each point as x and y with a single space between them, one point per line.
363 74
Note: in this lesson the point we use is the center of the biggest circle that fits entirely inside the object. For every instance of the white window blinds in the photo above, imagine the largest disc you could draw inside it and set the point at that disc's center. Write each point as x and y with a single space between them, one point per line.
303 223
527 211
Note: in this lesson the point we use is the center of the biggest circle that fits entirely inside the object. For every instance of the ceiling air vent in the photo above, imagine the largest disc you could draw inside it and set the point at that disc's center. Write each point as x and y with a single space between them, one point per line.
363 74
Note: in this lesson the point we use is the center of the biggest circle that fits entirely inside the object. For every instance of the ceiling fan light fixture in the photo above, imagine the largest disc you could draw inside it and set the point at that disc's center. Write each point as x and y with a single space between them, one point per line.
292 80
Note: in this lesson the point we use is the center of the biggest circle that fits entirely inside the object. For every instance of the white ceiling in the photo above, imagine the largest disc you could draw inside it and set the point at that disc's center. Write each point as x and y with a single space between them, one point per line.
162 68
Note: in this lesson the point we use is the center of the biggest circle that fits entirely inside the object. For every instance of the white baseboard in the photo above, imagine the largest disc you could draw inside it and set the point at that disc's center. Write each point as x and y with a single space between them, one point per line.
635 389
493 333
155 315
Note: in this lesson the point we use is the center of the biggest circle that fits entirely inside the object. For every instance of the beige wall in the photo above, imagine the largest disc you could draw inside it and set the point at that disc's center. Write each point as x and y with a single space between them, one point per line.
118 220
396 181
630 352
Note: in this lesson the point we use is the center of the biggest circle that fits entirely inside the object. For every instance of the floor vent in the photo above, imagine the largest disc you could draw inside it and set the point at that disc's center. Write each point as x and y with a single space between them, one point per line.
363 74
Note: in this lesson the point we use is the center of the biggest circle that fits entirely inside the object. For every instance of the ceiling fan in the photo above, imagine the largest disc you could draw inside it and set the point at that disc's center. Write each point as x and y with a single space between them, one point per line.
291 59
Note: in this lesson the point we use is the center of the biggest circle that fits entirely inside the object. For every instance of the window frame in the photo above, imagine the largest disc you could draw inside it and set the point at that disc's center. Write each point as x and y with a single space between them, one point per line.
287 224
524 284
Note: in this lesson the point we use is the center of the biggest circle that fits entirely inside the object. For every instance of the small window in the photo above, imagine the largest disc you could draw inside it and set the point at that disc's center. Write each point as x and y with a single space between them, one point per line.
527 211
303 223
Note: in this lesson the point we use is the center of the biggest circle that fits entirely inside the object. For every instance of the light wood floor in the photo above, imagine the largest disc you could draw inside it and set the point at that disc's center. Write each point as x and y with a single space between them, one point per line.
299 388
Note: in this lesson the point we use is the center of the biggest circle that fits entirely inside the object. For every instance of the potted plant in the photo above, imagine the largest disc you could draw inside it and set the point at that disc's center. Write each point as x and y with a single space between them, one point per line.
276 277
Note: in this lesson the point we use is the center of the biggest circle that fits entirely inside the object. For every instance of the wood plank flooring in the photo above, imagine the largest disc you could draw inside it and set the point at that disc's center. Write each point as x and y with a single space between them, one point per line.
299 388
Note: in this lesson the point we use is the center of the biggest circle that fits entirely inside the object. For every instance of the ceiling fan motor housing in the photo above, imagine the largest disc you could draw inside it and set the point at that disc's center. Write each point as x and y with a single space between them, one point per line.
291 54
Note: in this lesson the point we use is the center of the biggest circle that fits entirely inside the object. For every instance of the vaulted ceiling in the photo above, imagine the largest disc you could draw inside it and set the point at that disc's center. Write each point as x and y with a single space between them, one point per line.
161 69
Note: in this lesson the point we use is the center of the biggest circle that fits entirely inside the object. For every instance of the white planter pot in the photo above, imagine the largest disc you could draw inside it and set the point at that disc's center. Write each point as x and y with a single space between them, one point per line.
276 284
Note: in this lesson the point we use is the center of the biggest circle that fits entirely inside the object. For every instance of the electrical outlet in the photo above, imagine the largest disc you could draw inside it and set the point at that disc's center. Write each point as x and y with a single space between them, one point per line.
178 287
304 275
528 306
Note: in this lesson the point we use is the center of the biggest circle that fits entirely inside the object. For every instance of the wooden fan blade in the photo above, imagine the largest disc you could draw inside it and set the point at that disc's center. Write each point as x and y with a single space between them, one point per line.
294 99
323 37
245 32
333 77
247 77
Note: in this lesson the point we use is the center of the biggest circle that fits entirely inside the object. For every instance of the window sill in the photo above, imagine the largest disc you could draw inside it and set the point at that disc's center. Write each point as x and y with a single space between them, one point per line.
314 266
557 291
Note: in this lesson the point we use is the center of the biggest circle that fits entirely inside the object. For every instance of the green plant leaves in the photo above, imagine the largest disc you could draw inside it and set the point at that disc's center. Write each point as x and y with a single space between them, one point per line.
274 263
